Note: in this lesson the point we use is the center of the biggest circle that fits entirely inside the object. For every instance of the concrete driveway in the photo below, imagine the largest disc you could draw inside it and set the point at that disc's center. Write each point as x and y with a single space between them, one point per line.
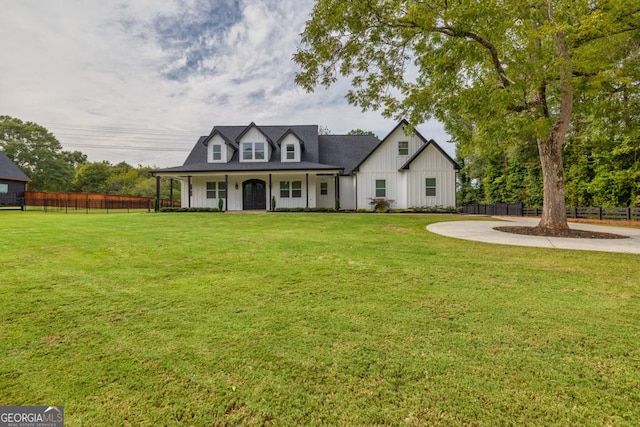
482 231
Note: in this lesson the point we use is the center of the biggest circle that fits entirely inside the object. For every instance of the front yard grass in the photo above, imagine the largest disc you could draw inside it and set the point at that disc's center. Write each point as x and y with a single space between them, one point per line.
309 319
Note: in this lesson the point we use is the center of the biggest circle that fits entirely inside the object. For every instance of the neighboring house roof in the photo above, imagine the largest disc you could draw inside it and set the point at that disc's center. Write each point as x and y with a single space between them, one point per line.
321 152
9 170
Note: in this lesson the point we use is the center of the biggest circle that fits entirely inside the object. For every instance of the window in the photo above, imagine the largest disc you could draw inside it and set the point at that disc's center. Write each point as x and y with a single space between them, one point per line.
290 189
291 152
221 188
430 184
211 190
381 188
216 151
324 188
4 188
284 189
403 148
253 151
296 189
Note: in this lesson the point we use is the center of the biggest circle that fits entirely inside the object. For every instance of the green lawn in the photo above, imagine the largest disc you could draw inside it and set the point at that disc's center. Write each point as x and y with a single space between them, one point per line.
310 319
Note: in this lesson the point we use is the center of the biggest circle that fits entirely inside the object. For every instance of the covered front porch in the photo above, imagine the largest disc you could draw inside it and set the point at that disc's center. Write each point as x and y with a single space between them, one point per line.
243 191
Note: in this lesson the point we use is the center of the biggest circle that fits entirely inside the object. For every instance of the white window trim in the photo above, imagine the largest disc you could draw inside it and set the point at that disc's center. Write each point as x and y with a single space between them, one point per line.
217 188
383 188
213 153
403 148
324 188
287 189
428 187
253 151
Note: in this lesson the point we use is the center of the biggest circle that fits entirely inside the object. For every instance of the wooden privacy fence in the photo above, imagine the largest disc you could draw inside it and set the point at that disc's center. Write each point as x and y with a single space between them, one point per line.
84 202
518 209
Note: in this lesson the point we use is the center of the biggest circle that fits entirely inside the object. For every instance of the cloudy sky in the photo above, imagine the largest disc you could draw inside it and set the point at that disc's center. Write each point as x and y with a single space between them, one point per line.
140 80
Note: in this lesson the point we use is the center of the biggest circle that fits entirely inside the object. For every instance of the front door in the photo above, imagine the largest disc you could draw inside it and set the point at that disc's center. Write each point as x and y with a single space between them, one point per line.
254 195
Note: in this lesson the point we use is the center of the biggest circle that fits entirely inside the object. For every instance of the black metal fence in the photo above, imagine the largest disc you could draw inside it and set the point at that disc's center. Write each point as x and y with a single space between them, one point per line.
494 209
12 200
88 205
518 209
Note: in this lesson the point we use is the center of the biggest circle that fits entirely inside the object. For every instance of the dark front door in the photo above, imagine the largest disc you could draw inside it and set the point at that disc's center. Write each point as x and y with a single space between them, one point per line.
254 195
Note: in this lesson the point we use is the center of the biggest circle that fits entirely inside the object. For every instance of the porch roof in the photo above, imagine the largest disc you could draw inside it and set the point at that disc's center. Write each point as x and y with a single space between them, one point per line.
249 167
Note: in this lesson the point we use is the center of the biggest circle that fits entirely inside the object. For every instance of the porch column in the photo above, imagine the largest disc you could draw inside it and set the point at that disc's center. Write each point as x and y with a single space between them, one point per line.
157 204
336 180
171 191
226 193
189 191
307 178
270 196
355 190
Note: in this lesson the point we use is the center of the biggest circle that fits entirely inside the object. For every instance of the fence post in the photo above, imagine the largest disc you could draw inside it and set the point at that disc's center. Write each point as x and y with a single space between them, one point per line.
628 213
600 213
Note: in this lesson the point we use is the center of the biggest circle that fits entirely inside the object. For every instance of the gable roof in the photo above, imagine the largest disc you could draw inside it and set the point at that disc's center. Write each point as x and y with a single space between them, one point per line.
404 122
9 170
205 139
290 132
407 165
248 128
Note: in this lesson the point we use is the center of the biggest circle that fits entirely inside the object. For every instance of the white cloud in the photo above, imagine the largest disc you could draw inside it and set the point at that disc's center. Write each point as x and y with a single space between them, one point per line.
89 71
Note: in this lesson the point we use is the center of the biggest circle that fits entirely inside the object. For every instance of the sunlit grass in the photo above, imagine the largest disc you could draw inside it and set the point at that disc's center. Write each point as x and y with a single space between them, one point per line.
355 319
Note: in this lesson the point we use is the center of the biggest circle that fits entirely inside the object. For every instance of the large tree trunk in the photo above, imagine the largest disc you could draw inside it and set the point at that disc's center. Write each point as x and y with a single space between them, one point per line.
554 214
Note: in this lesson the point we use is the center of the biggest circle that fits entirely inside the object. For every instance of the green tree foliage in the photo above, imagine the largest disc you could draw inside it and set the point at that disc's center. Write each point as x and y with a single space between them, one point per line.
92 177
497 73
361 132
122 178
39 154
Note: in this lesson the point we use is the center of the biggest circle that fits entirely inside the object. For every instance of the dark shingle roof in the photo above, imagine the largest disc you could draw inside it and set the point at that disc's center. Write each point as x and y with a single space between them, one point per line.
324 152
346 150
9 170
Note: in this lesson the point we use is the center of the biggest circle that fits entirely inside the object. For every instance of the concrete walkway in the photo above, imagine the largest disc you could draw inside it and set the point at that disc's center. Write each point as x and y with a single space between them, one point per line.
482 231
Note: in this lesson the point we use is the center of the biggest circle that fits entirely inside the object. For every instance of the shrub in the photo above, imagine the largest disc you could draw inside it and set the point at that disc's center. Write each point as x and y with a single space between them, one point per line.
380 204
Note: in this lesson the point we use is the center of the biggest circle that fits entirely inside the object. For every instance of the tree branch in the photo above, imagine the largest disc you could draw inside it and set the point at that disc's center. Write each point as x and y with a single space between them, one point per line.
497 65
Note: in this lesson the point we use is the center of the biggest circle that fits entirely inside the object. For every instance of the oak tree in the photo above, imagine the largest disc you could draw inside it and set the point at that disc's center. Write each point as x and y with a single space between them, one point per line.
493 71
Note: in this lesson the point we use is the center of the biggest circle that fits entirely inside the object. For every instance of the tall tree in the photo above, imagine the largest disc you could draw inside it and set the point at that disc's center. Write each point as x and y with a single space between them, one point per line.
491 70
39 154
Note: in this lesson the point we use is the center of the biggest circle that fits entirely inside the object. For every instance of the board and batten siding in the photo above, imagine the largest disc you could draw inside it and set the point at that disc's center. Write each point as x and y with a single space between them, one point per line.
347 185
406 187
431 164
384 163
254 135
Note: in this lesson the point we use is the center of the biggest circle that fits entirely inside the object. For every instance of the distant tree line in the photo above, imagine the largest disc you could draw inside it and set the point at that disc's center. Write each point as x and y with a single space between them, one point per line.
602 162
601 156
40 155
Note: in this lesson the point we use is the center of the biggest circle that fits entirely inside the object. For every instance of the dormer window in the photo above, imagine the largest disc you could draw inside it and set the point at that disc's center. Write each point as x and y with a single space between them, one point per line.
291 151
253 151
216 152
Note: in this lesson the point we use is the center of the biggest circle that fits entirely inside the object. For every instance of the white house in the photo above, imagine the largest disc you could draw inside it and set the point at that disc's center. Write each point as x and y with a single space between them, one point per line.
249 166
